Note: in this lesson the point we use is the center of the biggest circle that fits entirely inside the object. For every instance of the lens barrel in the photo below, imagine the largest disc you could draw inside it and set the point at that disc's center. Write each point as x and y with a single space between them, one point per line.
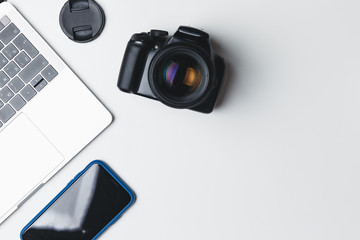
181 75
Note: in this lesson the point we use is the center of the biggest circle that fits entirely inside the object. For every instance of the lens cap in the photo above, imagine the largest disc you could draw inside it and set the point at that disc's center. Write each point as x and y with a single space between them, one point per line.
82 20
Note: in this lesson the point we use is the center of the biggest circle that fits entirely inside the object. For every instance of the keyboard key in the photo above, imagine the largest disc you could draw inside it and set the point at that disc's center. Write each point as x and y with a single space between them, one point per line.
5 20
11 69
3 61
6 113
38 83
3 79
17 102
49 73
28 92
1 45
10 51
33 68
22 59
9 33
16 85
1 104
22 43
1 26
6 94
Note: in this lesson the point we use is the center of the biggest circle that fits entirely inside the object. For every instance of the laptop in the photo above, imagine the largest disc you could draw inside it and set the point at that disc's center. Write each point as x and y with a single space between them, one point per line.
47 115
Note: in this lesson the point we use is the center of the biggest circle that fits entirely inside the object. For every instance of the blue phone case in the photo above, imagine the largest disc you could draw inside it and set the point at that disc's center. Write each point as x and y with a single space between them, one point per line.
112 173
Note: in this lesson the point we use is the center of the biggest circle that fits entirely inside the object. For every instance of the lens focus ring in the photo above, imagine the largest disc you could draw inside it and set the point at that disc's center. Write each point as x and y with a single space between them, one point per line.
180 75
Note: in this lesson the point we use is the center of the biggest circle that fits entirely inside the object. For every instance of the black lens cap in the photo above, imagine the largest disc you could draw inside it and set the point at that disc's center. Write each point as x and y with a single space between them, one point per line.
82 20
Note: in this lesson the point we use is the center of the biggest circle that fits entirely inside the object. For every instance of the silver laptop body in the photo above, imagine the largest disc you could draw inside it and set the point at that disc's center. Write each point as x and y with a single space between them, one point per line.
47 115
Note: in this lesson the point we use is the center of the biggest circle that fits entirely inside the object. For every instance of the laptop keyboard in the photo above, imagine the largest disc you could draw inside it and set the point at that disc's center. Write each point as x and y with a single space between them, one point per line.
24 72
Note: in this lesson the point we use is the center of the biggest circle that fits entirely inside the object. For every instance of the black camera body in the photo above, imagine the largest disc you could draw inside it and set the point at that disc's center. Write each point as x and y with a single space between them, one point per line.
181 71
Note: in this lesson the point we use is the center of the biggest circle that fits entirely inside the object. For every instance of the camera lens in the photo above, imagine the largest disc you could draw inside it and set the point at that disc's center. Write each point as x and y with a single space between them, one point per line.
179 76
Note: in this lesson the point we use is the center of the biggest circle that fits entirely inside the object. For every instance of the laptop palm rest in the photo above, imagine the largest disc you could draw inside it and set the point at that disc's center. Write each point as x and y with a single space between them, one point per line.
37 156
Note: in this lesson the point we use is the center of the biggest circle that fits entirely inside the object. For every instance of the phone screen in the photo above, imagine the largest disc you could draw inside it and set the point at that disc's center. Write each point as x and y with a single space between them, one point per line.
83 210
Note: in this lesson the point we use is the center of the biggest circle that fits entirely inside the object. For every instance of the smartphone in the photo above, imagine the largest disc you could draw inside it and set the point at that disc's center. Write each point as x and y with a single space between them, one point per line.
85 208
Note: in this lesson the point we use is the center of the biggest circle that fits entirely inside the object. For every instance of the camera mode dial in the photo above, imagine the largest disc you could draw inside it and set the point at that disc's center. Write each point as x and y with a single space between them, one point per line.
159 33
140 37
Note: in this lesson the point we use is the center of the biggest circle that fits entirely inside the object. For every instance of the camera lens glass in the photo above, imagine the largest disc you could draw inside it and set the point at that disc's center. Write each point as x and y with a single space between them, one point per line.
181 76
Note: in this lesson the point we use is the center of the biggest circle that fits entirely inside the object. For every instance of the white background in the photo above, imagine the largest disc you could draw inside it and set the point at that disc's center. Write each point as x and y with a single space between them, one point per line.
277 159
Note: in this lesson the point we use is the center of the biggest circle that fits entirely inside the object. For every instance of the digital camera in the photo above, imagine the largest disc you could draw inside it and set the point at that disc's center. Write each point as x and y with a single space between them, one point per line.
181 71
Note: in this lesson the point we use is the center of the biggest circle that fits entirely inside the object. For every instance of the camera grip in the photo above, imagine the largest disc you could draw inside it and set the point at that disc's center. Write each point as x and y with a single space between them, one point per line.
133 64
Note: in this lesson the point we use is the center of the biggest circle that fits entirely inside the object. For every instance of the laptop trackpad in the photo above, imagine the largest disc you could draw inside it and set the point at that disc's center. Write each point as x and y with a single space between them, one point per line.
27 157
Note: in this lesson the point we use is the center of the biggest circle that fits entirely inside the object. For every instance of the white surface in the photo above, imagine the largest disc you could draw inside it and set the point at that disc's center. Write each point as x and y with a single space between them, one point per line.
277 159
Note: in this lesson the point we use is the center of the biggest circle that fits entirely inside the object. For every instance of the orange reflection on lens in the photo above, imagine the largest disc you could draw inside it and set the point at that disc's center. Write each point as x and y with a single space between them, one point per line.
192 78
